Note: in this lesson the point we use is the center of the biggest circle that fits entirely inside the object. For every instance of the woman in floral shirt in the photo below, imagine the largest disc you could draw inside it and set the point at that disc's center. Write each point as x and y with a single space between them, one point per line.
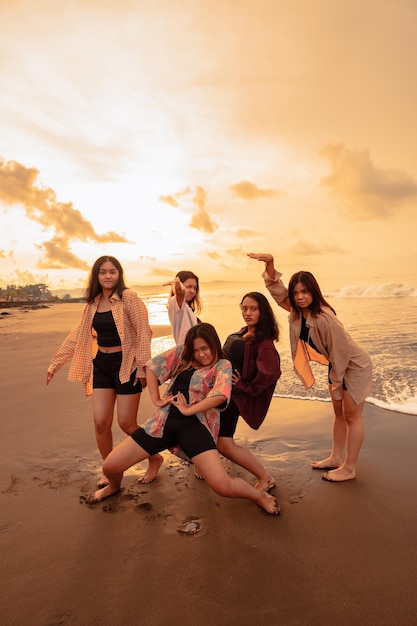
187 416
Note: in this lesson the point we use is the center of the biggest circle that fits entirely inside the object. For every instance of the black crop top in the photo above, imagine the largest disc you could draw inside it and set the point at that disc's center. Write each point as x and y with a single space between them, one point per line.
234 349
305 334
105 327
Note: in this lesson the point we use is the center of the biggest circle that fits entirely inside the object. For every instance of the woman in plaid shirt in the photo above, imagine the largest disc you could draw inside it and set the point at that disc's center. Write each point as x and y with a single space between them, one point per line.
108 350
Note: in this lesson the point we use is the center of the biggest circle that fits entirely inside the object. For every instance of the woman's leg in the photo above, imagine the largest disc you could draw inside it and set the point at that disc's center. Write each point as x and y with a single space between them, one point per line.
243 457
211 465
355 435
103 407
340 429
127 411
126 454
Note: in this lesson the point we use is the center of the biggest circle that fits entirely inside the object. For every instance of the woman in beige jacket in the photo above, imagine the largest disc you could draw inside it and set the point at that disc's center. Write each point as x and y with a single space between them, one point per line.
317 334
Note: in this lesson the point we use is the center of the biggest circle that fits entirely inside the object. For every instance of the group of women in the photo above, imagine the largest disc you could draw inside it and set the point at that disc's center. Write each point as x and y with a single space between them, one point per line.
208 385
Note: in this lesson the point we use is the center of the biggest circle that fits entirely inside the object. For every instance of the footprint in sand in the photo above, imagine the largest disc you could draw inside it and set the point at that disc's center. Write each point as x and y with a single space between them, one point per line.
190 527
13 488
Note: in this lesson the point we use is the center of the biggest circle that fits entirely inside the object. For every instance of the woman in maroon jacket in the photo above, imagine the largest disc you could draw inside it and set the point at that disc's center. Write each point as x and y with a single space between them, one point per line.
256 369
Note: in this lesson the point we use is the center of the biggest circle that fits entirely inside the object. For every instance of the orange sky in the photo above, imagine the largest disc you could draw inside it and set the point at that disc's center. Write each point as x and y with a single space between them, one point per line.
177 134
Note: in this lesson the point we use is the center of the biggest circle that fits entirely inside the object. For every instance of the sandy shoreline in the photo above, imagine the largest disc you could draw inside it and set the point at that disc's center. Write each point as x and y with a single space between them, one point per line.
341 554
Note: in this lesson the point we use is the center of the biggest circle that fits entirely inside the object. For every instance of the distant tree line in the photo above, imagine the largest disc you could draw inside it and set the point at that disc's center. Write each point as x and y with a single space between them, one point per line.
35 293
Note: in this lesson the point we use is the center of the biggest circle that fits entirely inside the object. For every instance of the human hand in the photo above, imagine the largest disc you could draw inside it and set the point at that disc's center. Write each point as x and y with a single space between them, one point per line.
261 256
49 377
163 401
235 377
182 405
172 283
143 381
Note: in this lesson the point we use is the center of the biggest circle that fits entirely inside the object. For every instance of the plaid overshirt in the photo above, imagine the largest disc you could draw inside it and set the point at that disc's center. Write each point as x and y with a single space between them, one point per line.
131 318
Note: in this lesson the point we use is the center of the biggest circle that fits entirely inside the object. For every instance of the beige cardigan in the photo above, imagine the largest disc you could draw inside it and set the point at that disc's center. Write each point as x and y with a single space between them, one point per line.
351 364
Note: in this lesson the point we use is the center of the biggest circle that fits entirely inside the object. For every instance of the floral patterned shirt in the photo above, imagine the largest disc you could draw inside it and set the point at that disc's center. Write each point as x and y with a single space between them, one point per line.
206 382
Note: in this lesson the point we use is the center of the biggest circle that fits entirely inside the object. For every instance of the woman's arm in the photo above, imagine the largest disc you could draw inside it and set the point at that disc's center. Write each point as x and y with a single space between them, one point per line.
268 372
64 353
272 279
153 388
199 407
177 289
268 260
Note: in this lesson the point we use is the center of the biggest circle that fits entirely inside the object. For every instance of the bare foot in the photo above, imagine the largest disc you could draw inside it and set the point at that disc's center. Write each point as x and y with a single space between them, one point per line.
101 494
155 462
265 484
197 473
325 464
103 482
268 503
339 475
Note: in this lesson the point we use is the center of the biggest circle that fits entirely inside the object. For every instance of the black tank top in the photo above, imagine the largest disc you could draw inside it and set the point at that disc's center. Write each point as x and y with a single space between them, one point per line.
105 327
182 384
305 334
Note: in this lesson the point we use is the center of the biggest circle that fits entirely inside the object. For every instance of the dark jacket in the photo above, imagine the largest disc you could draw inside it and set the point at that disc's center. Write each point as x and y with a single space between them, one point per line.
261 370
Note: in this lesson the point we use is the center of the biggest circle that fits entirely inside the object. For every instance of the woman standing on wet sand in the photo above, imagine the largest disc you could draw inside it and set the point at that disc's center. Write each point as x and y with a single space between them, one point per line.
317 334
108 350
256 369
187 416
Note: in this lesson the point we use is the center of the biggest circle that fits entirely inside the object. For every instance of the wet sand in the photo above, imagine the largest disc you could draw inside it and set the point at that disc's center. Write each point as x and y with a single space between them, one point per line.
339 553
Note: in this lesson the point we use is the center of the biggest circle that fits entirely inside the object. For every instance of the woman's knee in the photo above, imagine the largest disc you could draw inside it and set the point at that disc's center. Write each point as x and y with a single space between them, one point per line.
111 464
102 426
225 445
222 486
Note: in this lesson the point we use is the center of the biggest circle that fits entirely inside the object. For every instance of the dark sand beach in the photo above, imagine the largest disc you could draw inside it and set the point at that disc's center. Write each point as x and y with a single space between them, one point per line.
342 554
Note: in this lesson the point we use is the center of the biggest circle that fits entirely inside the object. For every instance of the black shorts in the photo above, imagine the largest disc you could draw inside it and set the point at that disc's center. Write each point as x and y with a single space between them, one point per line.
187 432
106 368
228 420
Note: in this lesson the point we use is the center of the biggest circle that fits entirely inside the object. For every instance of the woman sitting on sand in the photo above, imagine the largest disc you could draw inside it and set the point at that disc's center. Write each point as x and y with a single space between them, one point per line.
256 369
316 334
187 416
108 350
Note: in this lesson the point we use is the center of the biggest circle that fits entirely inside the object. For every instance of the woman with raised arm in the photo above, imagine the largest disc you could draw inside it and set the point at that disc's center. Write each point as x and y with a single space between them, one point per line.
317 334
184 304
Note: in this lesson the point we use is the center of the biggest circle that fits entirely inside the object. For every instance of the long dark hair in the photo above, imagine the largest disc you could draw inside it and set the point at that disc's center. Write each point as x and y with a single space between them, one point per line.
94 288
312 286
204 331
267 327
196 303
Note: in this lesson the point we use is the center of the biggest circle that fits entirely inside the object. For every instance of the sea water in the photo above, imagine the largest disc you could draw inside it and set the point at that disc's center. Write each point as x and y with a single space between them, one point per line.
382 318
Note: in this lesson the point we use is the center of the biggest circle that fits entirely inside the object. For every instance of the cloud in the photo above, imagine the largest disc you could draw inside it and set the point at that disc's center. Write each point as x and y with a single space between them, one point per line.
243 233
246 190
169 200
57 255
4 254
370 191
17 186
306 248
159 271
172 199
202 220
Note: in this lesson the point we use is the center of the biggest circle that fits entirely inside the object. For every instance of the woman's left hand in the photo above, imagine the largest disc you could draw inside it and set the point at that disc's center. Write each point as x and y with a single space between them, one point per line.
142 382
181 403
235 377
